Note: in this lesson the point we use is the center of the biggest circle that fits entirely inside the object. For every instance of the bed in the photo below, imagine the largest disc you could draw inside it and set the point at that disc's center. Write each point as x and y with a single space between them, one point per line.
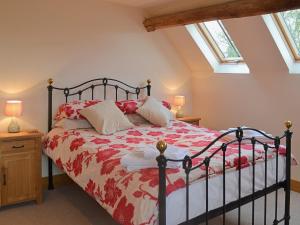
216 176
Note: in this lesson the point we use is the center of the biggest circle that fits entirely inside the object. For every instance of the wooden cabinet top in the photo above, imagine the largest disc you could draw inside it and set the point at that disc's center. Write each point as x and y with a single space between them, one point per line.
22 134
189 119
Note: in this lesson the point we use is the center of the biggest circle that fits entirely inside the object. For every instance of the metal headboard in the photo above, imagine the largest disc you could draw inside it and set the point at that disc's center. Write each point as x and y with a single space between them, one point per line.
91 86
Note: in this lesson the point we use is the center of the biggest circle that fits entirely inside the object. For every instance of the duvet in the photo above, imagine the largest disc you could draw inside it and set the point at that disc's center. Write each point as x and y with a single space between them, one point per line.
93 162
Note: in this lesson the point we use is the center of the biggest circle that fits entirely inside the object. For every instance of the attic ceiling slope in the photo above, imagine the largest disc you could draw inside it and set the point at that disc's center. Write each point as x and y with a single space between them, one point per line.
224 10
140 3
156 7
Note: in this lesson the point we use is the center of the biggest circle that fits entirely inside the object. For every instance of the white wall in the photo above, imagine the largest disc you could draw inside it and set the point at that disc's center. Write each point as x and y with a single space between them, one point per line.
264 99
73 41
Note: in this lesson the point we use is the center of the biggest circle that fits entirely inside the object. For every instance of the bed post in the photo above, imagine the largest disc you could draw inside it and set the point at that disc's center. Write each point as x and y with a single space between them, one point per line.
149 87
50 88
289 134
162 163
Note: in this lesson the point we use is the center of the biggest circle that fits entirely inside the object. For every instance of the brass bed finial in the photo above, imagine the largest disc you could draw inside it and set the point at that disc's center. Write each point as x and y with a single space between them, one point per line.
50 81
288 124
161 146
148 81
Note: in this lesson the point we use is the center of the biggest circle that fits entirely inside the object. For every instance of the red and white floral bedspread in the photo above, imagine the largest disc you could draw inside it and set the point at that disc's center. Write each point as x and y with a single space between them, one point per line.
93 161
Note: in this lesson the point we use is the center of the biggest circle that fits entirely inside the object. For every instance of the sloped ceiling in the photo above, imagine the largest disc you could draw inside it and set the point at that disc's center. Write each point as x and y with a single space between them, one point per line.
158 7
140 3
250 35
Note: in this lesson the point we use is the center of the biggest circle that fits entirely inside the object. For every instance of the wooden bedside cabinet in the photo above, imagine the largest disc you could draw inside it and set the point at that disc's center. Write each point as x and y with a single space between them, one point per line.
20 164
190 119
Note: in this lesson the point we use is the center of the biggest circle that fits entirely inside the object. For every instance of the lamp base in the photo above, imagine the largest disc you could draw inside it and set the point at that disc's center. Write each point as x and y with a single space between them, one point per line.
179 114
13 127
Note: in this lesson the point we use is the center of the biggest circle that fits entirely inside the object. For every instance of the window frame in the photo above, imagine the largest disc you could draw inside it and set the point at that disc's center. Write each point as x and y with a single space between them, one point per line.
205 48
285 33
215 48
284 49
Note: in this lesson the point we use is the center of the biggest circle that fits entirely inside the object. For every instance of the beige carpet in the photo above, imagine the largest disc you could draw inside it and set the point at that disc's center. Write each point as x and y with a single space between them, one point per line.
69 205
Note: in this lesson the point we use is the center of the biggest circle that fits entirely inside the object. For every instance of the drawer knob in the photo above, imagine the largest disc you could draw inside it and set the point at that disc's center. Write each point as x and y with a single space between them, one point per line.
20 146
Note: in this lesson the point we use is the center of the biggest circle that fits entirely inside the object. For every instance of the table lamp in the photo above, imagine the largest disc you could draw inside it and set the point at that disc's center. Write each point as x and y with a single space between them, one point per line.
13 108
179 101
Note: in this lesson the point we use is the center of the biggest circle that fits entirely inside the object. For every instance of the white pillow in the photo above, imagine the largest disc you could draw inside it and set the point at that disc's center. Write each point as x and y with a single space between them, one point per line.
106 117
153 111
70 124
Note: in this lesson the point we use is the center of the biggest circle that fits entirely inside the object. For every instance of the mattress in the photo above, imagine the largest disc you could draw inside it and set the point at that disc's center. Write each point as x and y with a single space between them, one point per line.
93 162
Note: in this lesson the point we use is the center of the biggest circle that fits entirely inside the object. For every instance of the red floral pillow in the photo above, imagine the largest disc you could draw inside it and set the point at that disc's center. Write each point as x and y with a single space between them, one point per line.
130 106
71 110
167 105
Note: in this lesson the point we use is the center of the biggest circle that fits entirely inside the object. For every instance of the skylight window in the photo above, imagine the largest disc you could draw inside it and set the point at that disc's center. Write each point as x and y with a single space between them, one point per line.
218 48
289 22
285 30
219 39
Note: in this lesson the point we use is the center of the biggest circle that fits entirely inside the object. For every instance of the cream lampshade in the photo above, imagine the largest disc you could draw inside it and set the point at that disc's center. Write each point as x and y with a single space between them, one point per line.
13 108
179 101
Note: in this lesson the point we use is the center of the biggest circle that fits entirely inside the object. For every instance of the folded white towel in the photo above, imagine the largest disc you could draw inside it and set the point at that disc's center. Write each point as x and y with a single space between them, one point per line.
145 157
172 152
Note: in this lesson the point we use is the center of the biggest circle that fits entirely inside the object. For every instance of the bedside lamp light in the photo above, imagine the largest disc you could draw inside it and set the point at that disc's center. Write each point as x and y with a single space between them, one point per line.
179 101
13 108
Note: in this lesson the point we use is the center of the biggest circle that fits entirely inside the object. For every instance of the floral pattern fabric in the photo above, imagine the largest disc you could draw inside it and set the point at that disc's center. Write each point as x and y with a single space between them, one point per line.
93 161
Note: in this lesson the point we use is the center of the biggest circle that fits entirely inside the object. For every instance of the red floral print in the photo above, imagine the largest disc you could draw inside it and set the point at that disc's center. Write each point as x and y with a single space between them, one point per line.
54 142
134 133
173 136
134 140
112 192
179 183
127 179
170 141
128 106
166 104
183 131
193 136
59 164
77 165
124 212
76 143
100 141
201 143
243 162
68 111
120 106
90 188
109 165
149 175
157 133
118 146
103 155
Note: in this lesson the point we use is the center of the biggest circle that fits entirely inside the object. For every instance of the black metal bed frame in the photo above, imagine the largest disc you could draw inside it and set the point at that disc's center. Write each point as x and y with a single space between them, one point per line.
187 166
187 161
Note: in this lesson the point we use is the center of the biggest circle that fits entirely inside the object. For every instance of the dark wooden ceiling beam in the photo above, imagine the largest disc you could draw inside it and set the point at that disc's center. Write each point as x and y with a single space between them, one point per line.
234 9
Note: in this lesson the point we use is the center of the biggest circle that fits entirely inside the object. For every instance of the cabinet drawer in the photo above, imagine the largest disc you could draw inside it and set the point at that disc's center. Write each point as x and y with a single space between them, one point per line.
18 146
